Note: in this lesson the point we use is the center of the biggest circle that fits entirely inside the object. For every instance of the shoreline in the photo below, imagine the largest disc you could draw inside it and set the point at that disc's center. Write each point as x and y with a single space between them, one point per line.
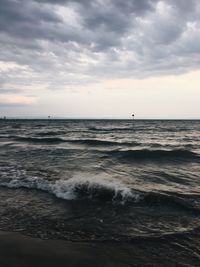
24 251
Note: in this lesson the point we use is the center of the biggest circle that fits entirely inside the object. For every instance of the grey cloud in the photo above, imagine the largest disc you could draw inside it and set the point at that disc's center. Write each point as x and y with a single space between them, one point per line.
28 19
8 91
27 11
184 5
111 38
14 14
114 15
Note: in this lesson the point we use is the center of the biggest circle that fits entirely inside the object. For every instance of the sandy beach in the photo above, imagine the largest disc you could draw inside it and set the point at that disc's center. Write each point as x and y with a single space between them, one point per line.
19 250
23 251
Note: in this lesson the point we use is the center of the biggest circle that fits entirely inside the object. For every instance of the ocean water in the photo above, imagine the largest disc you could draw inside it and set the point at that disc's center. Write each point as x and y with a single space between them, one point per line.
100 180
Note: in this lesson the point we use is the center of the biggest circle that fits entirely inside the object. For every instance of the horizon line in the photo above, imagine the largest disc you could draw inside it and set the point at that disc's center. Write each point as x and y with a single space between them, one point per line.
86 118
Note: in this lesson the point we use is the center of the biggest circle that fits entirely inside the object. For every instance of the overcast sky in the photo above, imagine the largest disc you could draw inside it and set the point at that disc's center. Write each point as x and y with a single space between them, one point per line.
100 58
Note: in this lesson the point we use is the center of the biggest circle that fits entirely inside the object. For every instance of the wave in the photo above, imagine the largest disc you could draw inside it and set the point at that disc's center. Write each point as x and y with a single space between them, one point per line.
139 129
146 154
51 133
95 142
111 129
38 140
170 200
79 188
3 136
98 142
100 189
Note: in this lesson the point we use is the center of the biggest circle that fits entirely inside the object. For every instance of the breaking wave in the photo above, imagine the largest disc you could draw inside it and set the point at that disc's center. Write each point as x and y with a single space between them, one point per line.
105 191
78 188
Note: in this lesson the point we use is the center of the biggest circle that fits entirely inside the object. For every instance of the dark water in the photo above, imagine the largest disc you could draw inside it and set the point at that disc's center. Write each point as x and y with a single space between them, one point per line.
100 180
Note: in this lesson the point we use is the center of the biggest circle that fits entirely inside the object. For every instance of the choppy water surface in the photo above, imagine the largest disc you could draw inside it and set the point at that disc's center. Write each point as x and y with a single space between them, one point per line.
100 180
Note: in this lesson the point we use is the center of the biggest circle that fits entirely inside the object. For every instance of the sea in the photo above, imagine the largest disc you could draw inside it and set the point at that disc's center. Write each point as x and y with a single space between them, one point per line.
102 181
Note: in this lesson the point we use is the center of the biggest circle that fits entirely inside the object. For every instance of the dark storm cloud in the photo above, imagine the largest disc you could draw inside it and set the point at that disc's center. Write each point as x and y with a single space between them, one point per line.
32 20
27 20
14 15
82 40
114 15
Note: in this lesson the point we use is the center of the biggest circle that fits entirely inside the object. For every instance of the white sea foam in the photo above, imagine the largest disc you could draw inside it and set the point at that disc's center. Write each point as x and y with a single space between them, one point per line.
78 187
89 187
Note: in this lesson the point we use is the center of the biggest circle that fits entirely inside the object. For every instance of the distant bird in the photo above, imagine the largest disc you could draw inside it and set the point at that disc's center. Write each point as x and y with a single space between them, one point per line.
49 117
133 116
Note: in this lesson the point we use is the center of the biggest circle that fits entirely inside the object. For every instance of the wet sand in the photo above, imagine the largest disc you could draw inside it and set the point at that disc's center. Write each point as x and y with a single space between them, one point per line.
23 251
17 250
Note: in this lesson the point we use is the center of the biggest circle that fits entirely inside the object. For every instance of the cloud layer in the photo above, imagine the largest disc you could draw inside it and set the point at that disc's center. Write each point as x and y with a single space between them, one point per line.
58 44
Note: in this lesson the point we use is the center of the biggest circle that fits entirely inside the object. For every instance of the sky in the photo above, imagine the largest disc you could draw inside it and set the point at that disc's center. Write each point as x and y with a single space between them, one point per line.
100 58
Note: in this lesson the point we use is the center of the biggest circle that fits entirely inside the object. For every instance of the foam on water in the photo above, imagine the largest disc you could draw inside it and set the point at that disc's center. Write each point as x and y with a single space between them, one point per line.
78 188
93 188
